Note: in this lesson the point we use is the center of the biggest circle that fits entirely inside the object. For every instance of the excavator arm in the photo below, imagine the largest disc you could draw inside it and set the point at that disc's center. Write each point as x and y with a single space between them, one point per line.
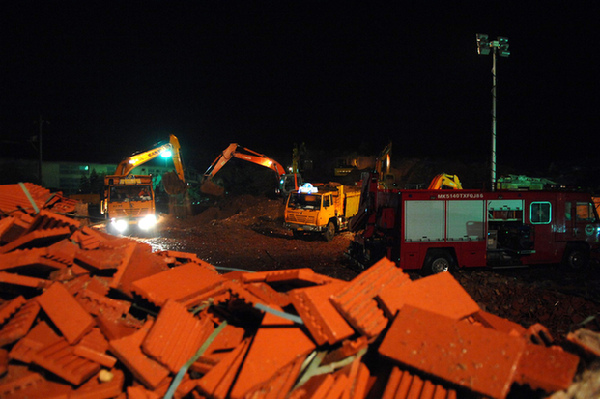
444 180
174 183
128 164
234 150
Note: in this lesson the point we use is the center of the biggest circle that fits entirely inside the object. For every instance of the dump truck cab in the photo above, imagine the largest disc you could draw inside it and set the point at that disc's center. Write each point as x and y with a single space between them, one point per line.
322 209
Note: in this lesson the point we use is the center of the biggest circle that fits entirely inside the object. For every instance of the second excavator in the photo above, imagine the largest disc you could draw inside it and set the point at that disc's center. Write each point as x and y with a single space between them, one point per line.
287 181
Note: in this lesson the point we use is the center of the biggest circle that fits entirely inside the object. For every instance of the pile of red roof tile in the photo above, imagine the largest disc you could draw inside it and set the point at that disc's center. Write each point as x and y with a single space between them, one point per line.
88 315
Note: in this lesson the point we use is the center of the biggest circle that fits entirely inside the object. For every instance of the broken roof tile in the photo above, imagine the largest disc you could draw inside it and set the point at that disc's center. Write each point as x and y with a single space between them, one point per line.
320 317
40 336
179 283
482 359
128 350
23 281
49 220
17 379
270 350
404 384
14 226
99 388
97 304
59 359
586 339
20 323
550 369
37 238
8 308
29 259
176 336
140 263
429 293
66 313
297 276
356 300
265 293
218 381
93 346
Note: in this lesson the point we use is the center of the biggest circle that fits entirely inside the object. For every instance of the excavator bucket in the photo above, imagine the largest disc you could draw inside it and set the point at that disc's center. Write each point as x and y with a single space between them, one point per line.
172 184
211 188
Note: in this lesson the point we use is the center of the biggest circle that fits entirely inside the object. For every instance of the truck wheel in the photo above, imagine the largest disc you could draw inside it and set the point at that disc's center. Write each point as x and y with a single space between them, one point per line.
437 261
576 258
330 232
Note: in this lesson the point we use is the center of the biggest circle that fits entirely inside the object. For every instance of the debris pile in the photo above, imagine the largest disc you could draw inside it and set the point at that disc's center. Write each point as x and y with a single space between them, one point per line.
84 314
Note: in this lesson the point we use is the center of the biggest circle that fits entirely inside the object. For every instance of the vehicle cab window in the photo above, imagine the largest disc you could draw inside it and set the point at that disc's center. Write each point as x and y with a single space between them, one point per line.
326 201
584 212
540 212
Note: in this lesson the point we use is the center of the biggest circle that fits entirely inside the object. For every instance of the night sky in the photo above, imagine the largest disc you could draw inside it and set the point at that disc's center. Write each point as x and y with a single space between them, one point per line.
112 78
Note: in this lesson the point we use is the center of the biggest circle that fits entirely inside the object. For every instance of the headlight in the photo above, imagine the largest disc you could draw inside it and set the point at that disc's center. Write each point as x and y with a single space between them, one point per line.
147 222
120 225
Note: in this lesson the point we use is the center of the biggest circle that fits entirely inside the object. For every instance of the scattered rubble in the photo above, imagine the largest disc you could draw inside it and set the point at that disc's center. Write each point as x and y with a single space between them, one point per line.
84 314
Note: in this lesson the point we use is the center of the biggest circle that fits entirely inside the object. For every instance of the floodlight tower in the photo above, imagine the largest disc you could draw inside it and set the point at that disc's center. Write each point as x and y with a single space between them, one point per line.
497 47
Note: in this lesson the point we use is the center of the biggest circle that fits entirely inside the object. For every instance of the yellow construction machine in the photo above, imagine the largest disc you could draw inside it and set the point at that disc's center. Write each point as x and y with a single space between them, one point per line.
129 200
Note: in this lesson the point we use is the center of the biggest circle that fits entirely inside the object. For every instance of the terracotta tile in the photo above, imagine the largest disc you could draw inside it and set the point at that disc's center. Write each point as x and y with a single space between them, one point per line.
3 361
356 301
403 384
145 369
538 334
96 304
9 307
97 389
63 252
66 313
17 379
36 339
59 359
217 382
46 219
93 346
23 281
586 339
325 323
480 358
280 384
41 388
176 336
228 338
20 323
550 369
88 238
298 276
490 320
439 293
117 328
265 293
315 388
104 259
37 238
269 352
29 259
14 227
141 263
179 283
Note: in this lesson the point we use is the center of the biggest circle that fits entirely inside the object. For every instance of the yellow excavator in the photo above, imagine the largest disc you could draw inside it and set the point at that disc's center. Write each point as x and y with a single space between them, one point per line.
129 200
445 181
287 181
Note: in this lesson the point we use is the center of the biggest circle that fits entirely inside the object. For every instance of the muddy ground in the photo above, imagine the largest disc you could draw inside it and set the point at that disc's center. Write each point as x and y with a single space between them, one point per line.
246 232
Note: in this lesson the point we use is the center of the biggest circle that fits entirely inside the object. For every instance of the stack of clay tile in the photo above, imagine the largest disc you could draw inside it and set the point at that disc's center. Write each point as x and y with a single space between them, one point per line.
88 315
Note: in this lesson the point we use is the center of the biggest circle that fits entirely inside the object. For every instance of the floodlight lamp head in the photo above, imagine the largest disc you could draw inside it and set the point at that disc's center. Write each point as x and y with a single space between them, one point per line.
483 44
503 46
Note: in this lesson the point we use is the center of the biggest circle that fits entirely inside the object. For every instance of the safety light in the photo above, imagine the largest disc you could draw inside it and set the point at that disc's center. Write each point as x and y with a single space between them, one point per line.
120 225
166 154
147 222
308 188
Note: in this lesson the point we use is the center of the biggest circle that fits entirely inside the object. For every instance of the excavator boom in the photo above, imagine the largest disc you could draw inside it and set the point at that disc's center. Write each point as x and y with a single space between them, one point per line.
234 150
444 180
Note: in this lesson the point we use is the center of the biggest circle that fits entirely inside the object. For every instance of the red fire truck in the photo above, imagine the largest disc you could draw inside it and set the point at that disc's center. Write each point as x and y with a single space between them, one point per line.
434 230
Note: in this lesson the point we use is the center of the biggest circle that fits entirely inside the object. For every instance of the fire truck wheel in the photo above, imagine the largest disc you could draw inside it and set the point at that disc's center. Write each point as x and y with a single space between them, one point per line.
330 232
438 261
576 258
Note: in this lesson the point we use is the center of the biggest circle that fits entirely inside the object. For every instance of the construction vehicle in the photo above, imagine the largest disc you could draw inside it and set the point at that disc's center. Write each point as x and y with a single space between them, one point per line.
129 201
321 209
434 230
445 181
286 181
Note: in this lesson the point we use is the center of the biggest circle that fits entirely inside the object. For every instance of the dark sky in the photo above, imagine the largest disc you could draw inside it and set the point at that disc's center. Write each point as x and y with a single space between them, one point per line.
113 78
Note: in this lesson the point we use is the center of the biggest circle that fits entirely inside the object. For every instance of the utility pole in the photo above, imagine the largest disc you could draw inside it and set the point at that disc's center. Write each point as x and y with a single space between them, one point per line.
40 148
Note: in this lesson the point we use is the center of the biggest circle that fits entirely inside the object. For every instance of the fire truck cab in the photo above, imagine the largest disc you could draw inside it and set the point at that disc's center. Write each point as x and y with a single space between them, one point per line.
434 230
